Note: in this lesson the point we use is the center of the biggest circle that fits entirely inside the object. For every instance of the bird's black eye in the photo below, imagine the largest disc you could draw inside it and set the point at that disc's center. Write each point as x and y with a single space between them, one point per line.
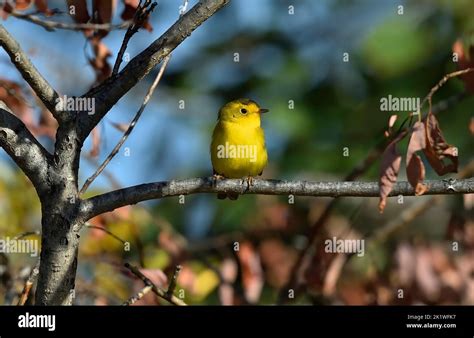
243 111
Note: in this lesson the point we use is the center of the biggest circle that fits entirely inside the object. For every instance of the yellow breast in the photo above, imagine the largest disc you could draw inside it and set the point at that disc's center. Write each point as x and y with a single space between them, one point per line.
238 150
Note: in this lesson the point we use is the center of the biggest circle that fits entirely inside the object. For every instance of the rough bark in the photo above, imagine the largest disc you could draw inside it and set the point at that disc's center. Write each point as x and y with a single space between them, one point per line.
60 222
25 150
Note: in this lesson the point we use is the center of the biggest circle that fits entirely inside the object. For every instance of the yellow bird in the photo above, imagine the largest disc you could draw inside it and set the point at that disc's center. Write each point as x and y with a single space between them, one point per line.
238 142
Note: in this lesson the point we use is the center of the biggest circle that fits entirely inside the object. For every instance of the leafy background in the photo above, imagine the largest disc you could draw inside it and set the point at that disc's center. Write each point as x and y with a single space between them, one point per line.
282 57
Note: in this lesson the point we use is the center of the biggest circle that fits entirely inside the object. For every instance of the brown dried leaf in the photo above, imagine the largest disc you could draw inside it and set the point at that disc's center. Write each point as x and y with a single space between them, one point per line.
95 149
471 126
100 64
80 13
391 161
103 11
443 157
22 5
415 168
42 7
416 175
130 8
12 94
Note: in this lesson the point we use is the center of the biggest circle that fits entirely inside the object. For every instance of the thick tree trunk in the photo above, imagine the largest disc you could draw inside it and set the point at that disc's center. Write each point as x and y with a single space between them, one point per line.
60 223
59 242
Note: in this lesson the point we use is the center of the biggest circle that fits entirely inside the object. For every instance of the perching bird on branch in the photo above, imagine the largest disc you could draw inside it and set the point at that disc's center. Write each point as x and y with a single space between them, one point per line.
238 143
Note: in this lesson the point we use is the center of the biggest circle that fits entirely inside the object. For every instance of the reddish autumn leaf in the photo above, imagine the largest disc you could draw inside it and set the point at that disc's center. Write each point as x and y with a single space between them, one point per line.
443 157
95 149
416 175
471 126
252 273
78 11
465 60
103 11
129 9
415 167
22 5
129 12
391 161
100 64
12 94
42 7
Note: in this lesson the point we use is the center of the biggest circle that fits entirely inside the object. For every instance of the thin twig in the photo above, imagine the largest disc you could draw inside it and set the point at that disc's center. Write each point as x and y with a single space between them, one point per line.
173 281
139 295
129 129
29 283
442 82
50 25
26 234
158 291
90 226
141 15
113 181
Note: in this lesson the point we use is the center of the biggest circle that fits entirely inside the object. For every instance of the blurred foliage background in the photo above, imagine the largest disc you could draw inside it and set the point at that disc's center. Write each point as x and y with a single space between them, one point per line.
319 105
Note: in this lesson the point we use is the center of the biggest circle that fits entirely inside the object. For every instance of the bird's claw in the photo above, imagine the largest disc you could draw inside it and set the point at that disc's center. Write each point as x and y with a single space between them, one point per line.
215 178
249 181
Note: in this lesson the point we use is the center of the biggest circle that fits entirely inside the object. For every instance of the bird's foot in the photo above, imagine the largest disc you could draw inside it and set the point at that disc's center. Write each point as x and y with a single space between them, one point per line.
215 178
249 181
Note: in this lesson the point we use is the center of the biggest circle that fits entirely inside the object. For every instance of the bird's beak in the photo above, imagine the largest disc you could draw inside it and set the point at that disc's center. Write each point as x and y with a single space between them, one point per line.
263 110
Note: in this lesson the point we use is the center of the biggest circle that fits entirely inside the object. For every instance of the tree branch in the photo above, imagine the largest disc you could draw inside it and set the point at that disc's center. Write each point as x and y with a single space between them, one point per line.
141 15
158 291
111 90
24 149
109 201
51 26
32 76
